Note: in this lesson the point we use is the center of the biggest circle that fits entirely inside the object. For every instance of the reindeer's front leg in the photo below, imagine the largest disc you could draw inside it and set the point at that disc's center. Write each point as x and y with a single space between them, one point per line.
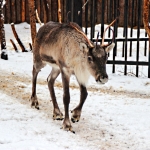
66 99
34 101
76 113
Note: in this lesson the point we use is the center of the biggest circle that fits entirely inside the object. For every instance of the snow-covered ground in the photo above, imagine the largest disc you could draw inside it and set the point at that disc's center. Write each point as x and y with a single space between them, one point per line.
116 116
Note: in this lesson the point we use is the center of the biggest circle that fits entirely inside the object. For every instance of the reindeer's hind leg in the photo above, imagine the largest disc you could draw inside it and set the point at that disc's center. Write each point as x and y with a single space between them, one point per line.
51 79
34 101
76 113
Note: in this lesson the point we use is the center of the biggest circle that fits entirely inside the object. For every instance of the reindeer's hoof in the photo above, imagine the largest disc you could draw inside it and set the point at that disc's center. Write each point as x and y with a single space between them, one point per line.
35 104
75 117
37 107
74 120
67 128
57 115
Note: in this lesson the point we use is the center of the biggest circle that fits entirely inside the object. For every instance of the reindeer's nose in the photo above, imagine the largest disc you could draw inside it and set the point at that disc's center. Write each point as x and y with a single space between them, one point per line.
102 79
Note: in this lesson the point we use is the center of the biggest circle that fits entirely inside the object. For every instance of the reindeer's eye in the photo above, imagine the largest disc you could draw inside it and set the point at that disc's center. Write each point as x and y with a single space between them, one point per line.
90 58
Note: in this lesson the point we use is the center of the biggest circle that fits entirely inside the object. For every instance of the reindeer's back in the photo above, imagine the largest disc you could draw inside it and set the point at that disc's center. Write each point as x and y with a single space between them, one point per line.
52 30
59 41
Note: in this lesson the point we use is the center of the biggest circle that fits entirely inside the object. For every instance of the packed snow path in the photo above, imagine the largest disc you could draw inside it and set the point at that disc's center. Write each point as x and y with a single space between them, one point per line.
115 116
110 120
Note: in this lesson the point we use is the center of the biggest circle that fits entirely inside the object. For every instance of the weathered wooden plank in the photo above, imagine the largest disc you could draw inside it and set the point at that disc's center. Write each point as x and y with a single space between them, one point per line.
7 17
31 5
13 11
77 17
49 14
27 18
23 11
54 8
98 12
41 11
18 10
46 10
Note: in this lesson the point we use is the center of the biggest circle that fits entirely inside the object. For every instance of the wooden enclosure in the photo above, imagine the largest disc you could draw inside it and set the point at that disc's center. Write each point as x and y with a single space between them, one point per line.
95 12
17 11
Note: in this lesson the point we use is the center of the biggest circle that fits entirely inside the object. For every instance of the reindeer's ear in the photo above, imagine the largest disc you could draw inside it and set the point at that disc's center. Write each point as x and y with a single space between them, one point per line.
83 47
110 47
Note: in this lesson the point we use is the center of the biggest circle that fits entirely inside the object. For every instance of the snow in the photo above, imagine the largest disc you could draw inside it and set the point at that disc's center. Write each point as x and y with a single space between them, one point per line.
115 116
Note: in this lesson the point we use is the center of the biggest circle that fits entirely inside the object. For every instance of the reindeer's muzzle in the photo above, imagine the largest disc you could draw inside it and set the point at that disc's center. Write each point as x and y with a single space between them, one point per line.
102 79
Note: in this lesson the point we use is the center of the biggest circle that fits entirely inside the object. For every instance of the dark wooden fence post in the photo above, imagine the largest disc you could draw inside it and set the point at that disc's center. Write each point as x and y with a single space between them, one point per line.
7 11
18 10
78 12
54 8
13 11
23 11
75 6
49 17
32 18
27 17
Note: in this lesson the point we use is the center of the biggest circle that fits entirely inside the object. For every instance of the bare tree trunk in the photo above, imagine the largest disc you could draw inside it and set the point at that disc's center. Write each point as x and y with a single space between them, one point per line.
146 26
4 54
32 19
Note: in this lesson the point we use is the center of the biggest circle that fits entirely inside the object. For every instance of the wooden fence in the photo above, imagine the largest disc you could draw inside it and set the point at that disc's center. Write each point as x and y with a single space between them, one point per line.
96 11
17 11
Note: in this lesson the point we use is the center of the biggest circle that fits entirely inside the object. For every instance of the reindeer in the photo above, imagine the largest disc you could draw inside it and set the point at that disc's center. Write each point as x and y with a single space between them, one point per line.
65 47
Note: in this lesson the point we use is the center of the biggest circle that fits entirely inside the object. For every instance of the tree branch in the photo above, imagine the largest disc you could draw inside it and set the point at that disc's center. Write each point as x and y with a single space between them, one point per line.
17 38
14 45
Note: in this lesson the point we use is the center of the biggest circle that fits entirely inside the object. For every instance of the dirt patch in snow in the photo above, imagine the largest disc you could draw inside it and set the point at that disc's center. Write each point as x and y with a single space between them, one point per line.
16 84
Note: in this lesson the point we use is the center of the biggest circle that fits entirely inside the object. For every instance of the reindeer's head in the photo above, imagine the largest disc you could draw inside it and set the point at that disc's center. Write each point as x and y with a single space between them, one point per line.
96 55
97 58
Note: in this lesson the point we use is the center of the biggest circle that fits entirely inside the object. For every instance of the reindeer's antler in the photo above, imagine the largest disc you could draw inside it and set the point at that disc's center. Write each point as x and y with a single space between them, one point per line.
68 16
109 27
97 38
88 41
